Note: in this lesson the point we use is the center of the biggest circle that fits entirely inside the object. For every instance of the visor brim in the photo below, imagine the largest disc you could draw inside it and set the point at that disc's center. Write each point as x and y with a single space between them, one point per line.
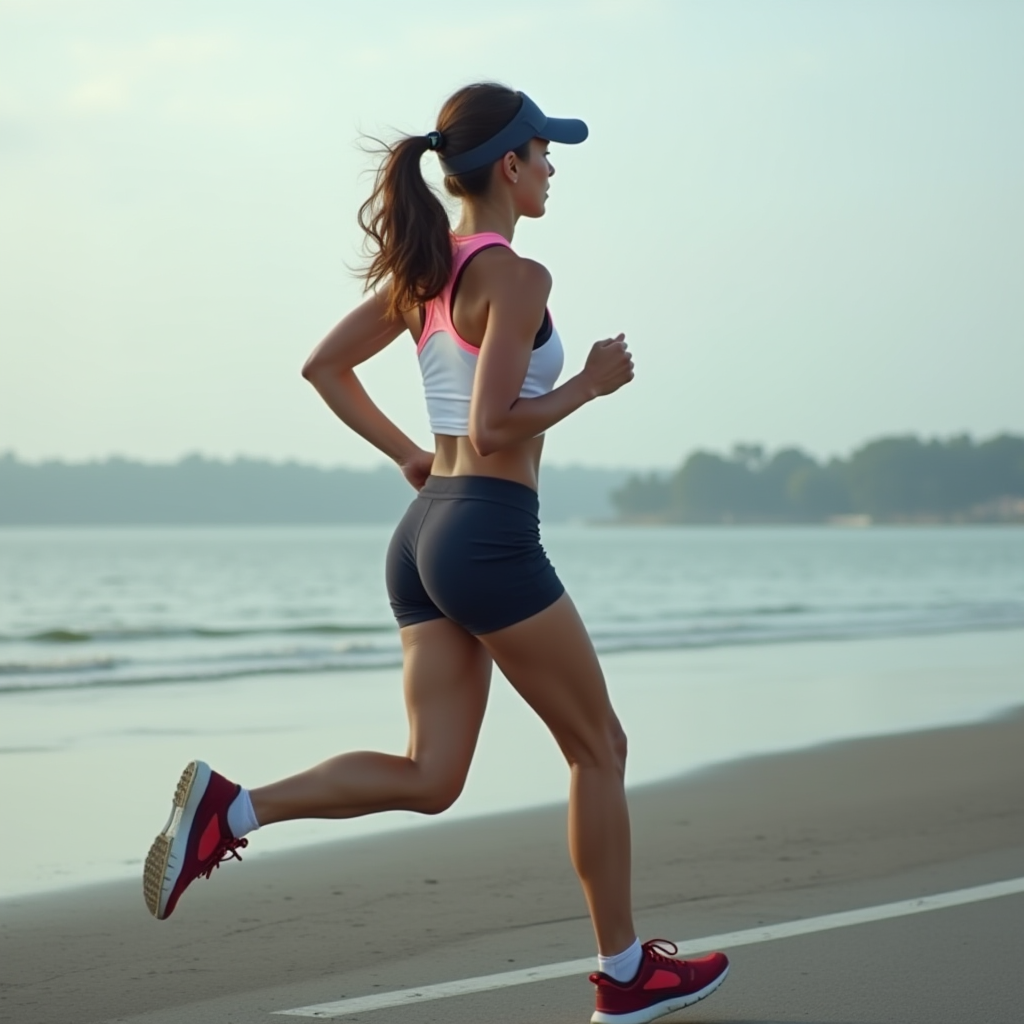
567 131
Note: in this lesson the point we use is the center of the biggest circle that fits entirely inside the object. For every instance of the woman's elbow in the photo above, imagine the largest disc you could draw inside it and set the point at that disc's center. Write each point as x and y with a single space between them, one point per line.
482 439
315 369
312 368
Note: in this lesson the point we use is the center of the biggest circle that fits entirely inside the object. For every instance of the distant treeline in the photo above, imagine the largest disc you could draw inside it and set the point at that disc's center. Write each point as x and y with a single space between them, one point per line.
198 490
894 479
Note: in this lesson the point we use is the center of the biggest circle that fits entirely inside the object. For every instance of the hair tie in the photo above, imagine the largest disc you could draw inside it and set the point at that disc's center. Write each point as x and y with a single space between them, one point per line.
435 140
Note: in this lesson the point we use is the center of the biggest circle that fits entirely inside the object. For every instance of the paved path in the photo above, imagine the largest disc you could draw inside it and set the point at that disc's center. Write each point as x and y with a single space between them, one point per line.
960 964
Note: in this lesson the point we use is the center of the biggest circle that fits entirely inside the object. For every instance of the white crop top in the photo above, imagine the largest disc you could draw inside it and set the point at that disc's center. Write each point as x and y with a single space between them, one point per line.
448 362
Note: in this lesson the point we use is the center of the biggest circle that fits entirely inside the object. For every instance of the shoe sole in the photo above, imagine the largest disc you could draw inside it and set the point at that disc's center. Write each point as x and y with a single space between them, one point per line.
659 1009
167 854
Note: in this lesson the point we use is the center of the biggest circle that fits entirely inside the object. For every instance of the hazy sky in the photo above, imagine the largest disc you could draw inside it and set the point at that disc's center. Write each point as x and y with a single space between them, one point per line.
807 217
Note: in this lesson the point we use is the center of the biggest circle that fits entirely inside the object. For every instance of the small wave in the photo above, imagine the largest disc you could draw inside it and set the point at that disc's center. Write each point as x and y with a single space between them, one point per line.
60 636
669 615
100 672
76 636
69 666
323 629
208 665
370 658
756 611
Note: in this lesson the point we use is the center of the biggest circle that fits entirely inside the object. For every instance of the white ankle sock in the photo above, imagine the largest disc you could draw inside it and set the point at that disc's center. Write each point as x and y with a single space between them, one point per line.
241 816
623 966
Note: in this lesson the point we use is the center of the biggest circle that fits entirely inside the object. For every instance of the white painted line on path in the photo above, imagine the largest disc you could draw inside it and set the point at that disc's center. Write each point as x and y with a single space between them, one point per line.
727 940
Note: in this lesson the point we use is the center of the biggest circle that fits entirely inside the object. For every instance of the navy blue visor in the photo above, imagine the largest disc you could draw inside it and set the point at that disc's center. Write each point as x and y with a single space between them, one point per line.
529 123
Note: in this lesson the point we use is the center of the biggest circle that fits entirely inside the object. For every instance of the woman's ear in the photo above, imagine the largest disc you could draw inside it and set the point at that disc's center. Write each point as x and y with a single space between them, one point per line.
510 167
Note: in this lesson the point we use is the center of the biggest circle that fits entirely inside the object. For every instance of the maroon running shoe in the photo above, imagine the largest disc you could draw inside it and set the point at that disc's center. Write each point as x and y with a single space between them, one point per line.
195 840
660 986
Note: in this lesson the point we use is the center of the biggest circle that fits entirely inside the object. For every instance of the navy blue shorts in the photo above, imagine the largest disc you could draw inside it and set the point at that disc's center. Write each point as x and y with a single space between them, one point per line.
468 549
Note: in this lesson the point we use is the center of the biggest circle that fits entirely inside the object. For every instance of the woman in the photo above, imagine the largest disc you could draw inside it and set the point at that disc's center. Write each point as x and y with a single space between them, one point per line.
467 578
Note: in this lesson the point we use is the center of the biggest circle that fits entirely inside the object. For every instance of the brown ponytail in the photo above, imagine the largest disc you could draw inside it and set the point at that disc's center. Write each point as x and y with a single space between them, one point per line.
406 225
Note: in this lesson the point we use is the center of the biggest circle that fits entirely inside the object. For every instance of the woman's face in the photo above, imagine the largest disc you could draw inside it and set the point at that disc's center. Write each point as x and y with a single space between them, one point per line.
534 180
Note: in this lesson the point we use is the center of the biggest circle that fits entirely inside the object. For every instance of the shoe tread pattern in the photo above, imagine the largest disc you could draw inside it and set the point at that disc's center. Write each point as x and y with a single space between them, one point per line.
155 871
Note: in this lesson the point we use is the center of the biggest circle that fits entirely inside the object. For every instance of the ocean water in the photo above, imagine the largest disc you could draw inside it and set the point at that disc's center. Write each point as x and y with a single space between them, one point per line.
128 607
123 653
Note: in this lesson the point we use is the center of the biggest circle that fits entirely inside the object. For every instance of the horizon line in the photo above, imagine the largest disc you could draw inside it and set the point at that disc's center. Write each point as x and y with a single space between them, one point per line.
9 454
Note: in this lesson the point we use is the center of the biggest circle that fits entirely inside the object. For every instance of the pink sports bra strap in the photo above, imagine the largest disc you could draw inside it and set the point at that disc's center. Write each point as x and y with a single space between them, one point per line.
437 315
470 245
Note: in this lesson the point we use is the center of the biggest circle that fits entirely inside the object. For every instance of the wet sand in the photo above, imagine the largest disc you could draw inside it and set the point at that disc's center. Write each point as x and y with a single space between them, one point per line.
765 839
751 700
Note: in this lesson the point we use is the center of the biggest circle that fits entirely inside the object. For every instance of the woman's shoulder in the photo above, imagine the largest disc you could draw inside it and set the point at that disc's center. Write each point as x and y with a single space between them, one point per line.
500 270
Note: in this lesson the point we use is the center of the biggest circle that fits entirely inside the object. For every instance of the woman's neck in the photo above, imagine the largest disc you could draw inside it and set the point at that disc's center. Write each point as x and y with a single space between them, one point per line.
480 216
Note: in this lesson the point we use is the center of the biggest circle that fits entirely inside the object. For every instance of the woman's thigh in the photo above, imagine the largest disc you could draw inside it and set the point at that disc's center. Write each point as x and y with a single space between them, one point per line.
447 675
551 662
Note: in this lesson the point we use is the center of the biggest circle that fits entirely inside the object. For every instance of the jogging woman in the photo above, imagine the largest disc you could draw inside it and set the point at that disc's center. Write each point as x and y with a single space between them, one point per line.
468 580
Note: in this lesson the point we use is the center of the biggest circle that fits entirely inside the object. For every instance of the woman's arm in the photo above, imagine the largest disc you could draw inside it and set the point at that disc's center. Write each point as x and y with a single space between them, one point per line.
363 333
498 417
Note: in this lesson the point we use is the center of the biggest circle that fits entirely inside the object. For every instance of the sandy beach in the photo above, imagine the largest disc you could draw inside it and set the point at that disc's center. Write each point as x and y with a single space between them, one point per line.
751 700
773 838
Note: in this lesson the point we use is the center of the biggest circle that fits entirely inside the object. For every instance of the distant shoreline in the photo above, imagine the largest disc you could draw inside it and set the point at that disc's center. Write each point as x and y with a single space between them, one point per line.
197 491
832 524
895 481
653 524
900 479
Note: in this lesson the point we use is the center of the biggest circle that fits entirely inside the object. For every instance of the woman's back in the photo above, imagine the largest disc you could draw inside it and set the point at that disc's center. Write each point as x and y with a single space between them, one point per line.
450 331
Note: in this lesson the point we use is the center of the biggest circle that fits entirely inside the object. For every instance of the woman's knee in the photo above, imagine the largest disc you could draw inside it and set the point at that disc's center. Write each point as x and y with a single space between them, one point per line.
604 747
435 795
620 745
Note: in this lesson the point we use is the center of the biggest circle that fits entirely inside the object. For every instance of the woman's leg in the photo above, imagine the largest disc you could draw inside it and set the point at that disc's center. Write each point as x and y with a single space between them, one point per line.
551 662
447 675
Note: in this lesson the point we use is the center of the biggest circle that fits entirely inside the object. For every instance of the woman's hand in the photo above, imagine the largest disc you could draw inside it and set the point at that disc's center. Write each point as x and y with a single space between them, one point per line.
416 467
609 365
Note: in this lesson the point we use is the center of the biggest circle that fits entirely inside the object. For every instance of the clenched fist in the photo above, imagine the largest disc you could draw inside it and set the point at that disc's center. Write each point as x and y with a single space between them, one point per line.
609 365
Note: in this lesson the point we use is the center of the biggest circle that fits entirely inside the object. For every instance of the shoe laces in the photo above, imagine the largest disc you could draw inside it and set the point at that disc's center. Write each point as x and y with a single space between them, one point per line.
227 849
661 951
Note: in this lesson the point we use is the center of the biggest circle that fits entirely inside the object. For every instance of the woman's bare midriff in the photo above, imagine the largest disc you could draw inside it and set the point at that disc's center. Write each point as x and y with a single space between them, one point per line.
456 456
